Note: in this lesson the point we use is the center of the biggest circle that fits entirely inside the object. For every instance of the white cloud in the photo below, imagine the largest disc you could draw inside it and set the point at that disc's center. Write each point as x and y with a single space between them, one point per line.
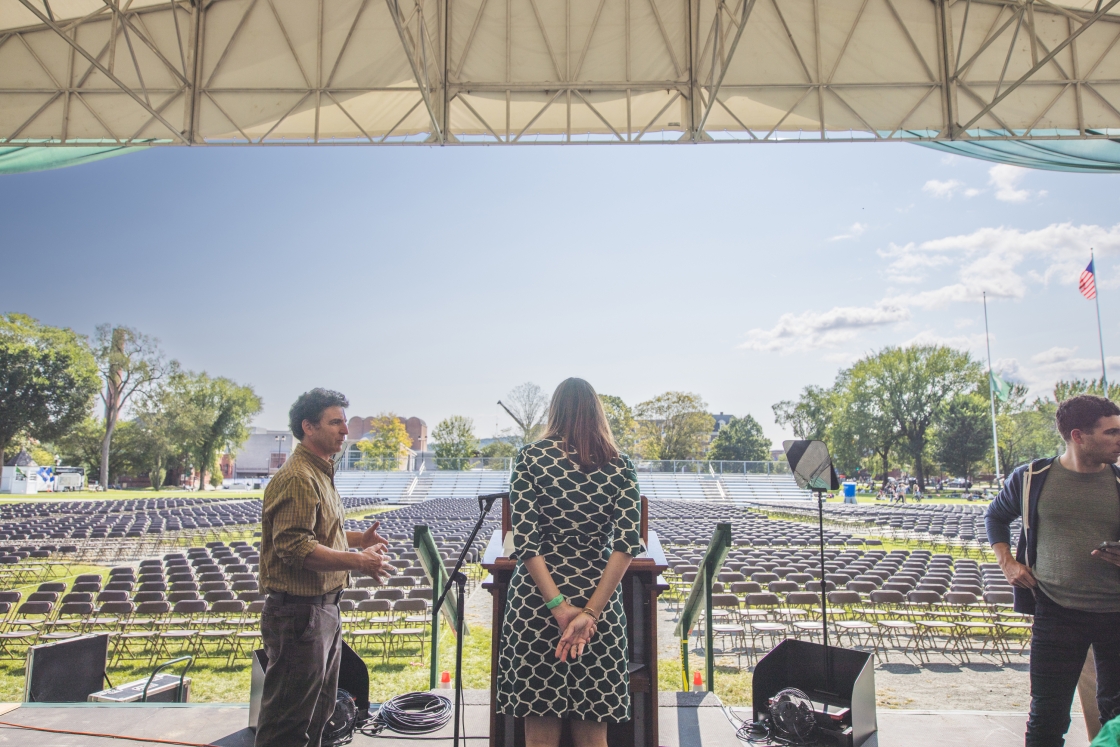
973 342
810 330
989 260
1005 178
854 231
964 322
1054 355
1002 262
972 192
942 190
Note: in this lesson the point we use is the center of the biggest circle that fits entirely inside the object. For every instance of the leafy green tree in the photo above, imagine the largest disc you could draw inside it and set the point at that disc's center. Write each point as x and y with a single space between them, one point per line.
740 440
499 448
1026 430
385 443
129 362
861 431
215 415
48 379
80 446
454 443
964 434
810 417
1063 390
620 417
674 425
916 384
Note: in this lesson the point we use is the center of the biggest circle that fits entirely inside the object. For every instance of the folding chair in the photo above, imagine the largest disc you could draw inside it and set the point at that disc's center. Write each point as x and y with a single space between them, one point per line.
24 626
249 637
771 629
806 624
138 636
415 629
931 624
217 641
859 632
1008 622
376 618
970 629
896 625
71 619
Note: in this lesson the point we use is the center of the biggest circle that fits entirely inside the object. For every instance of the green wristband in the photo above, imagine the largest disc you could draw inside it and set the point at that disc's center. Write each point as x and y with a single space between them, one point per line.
556 602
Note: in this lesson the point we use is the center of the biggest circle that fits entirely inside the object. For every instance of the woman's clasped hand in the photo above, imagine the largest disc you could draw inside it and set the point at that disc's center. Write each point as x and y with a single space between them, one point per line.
577 629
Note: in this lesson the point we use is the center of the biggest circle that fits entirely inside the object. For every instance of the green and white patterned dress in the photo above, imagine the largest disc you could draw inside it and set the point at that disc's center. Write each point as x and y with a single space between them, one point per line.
575 520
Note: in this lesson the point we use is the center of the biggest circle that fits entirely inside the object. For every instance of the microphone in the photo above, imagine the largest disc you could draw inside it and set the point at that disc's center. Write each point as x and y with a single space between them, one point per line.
486 502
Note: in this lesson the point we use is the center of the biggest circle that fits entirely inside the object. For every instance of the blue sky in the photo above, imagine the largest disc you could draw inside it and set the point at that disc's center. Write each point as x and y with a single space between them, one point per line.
431 281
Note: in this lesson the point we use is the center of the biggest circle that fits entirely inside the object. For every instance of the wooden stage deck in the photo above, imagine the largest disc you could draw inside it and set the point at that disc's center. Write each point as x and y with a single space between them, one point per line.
686 721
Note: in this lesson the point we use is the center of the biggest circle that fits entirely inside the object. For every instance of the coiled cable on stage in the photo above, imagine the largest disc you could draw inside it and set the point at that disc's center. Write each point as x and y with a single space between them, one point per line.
411 713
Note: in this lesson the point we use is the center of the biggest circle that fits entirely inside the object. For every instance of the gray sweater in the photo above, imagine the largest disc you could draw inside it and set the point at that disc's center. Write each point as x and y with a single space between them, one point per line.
1076 512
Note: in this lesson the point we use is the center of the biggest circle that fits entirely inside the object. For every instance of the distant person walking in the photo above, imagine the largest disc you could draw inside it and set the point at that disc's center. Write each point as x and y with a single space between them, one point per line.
1061 574
304 568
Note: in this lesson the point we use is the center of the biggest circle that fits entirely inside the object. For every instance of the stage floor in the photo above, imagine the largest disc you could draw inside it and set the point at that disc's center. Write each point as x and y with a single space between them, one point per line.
685 721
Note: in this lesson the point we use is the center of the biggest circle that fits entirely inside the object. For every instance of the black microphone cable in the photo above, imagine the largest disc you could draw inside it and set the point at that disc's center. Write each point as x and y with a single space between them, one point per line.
411 715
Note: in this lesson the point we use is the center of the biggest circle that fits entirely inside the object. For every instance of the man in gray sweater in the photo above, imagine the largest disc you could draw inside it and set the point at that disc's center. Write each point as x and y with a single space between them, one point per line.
1062 574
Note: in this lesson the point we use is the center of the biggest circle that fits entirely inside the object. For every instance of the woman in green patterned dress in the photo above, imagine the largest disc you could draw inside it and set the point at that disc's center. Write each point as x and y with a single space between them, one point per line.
576 514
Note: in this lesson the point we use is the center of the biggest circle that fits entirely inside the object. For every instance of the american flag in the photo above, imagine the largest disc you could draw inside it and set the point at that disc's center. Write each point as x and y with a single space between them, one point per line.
1087 285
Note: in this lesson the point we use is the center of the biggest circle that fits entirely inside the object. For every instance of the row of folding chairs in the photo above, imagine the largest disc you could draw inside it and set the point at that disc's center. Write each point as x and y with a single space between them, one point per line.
959 625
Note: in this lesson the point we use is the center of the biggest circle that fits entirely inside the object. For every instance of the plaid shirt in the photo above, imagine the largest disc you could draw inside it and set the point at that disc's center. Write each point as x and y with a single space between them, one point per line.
302 509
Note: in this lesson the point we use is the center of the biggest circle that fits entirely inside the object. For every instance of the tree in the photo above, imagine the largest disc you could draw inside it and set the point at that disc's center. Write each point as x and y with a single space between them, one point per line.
499 448
48 379
621 420
455 443
129 362
862 428
1063 390
810 416
741 440
215 415
915 384
80 446
964 434
528 407
674 425
1026 430
385 443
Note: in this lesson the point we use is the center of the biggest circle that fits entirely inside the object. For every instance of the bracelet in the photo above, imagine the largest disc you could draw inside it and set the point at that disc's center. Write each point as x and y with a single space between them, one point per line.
591 613
555 602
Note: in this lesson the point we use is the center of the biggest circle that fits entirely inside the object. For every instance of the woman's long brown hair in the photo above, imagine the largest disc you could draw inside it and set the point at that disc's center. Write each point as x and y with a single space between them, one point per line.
576 418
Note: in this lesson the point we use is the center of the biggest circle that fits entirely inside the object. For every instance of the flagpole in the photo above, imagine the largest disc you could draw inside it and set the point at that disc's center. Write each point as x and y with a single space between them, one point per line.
991 388
1100 336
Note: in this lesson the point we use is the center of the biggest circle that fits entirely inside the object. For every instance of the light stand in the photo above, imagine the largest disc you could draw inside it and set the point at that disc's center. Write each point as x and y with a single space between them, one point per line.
812 468
459 580
824 591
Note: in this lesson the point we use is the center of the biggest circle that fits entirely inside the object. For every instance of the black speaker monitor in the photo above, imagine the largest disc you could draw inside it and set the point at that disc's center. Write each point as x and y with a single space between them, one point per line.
66 671
848 691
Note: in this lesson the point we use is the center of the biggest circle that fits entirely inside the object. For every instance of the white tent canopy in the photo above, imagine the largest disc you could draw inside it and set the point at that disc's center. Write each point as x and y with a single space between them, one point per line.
82 72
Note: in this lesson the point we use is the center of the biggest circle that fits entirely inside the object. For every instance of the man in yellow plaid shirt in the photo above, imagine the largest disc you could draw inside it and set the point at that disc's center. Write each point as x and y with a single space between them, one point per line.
305 565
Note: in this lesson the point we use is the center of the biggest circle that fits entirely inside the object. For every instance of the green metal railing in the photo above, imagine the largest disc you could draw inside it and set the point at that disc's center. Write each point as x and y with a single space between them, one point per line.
702 593
432 563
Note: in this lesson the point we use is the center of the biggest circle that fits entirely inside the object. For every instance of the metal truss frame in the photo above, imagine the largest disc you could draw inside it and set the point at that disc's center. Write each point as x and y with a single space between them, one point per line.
190 72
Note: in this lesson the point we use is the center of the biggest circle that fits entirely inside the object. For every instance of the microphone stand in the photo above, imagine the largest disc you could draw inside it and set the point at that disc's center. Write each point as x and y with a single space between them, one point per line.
459 580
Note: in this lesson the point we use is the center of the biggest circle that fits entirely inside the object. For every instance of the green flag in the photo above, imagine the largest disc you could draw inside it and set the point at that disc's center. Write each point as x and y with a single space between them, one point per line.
1000 388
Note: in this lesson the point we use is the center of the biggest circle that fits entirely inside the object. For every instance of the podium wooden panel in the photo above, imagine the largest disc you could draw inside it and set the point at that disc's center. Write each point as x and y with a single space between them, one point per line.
640 587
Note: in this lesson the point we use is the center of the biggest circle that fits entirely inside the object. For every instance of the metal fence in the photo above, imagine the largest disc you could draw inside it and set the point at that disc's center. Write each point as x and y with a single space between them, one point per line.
699 466
505 464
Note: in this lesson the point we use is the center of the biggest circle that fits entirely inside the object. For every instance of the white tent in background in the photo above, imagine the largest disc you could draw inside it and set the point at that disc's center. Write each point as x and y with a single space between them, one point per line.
94 72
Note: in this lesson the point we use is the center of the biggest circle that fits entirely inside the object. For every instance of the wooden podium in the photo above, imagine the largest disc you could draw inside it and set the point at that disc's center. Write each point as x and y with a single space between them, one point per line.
640 588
